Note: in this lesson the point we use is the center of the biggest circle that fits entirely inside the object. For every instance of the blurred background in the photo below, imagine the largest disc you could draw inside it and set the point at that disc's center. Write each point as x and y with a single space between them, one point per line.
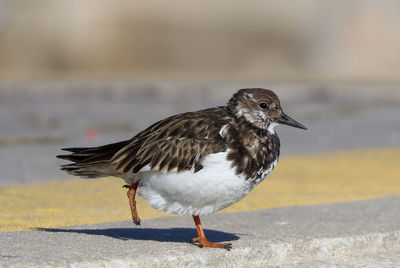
82 73
311 39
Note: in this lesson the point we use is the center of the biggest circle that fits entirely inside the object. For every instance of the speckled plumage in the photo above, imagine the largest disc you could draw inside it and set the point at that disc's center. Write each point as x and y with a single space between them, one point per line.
180 142
194 163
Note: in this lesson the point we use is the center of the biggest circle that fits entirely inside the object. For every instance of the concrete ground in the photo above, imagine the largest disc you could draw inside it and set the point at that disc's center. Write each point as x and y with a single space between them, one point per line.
362 233
325 208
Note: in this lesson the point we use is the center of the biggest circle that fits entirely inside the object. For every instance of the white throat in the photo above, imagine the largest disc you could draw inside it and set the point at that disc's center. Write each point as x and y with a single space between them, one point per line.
271 128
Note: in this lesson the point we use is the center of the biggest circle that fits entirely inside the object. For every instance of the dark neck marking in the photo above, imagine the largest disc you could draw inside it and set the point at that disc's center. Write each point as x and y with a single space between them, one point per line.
251 148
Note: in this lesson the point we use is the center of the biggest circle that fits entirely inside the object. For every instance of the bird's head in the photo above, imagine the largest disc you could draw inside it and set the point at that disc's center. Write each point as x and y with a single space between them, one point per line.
261 108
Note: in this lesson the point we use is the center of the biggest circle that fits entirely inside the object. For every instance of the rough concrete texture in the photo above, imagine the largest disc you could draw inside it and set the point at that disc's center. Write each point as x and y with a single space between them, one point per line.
370 250
364 233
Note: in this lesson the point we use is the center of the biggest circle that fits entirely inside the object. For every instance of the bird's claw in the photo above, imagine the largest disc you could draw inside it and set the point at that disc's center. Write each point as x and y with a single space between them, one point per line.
205 243
228 246
136 221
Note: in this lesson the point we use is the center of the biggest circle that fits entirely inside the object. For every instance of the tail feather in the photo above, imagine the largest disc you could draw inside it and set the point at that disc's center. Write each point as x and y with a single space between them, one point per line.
92 162
75 149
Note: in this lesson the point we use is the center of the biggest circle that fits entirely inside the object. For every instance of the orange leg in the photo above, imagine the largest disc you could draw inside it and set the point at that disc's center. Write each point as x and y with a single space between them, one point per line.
202 241
132 203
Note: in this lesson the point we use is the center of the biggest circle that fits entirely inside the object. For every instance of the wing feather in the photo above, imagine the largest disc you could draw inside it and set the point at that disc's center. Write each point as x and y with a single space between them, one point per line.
176 143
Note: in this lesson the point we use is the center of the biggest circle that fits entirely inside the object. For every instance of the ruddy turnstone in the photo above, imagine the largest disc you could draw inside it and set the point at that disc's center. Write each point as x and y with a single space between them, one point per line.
194 163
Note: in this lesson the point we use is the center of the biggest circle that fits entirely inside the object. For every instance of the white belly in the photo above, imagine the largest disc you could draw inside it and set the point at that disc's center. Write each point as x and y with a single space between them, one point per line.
214 187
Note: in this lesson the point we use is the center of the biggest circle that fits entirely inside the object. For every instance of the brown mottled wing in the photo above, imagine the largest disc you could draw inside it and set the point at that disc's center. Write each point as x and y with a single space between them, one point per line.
176 143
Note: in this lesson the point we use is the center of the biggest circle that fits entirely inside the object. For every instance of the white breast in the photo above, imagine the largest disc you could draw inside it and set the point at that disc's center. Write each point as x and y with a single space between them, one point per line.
214 187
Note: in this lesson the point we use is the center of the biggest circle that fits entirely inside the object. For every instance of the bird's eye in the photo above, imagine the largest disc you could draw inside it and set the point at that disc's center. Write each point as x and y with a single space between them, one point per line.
263 105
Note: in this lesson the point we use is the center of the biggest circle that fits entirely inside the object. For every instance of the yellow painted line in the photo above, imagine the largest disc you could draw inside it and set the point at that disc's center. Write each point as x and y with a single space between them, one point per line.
298 180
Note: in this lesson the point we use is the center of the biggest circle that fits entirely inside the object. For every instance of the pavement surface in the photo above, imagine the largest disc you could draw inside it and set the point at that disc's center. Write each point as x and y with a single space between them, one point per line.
362 233
329 202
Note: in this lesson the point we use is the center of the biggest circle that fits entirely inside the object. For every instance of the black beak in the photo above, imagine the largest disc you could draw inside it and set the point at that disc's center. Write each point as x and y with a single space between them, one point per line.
287 120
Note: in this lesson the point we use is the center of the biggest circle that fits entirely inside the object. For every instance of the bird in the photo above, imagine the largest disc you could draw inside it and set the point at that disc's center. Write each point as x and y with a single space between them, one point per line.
194 163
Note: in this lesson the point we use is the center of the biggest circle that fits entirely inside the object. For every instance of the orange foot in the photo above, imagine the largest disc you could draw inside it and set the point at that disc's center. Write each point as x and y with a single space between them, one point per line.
200 242
132 202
